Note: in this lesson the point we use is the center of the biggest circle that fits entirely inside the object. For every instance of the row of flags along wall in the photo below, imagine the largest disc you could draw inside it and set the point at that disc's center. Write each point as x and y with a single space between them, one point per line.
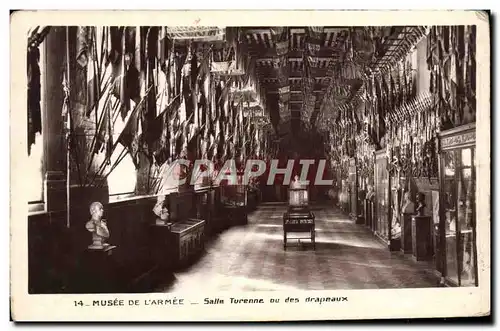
154 95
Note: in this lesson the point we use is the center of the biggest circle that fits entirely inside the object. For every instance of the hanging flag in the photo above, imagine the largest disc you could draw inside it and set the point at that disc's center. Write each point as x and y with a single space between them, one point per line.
277 32
171 72
312 48
92 72
284 93
136 75
160 81
152 127
277 62
313 61
139 79
162 46
125 64
204 75
162 147
160 70
104 138
390 94
282 47
130 137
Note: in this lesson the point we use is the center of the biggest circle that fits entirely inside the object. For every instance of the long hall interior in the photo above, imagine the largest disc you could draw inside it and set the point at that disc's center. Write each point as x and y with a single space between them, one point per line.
198 158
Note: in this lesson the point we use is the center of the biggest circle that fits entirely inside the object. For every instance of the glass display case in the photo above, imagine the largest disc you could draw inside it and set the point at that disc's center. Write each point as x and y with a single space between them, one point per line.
298 194
353 189
395 207
235 193
436 239
203 206
457 206
234 198
381 218
298 197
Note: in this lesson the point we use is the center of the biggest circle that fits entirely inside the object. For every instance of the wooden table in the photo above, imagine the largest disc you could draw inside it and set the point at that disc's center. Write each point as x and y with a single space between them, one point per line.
299 220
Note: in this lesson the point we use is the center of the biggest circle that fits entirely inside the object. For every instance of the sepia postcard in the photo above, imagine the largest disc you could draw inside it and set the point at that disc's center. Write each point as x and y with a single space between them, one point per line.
249 165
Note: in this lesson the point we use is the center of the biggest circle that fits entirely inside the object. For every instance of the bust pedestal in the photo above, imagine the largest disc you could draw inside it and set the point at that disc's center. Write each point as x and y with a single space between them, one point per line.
406 233
105 250
421 238
368 212
162 223
99 270
160 243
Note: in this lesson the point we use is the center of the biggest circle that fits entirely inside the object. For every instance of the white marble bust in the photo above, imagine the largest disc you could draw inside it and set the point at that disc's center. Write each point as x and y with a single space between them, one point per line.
97 226
296 184
408 205
160 210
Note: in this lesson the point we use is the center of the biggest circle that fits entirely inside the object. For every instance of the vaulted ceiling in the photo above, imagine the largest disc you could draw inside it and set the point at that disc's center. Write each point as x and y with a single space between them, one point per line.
260 46
372 47
310 70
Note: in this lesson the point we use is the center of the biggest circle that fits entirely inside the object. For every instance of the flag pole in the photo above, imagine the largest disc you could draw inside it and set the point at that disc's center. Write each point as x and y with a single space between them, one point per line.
68 132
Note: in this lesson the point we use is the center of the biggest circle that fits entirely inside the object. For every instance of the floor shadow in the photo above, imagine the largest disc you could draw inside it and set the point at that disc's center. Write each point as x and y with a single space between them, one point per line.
295 246
334 246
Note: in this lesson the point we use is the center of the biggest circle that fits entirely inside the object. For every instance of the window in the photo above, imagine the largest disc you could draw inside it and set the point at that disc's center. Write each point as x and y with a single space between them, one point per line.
123 178
34 173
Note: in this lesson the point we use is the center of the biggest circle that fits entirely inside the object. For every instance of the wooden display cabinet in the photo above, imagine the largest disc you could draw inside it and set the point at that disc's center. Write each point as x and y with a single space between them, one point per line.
188 240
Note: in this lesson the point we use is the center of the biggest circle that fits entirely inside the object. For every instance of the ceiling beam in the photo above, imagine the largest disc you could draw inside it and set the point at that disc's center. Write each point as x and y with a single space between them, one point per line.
264 52
298 107
297 102
299 59
298 30
294 91
272 87
273 73
257 30
335 29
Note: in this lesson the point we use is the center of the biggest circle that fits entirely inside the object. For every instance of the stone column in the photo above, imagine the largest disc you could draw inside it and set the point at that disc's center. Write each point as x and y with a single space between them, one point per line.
53 126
